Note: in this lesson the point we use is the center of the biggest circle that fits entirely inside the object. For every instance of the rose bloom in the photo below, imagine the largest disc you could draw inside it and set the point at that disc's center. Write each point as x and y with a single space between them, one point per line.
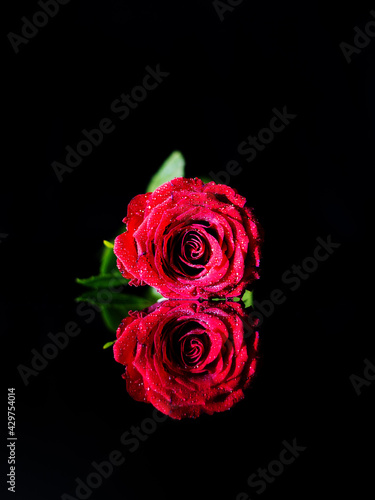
188 357
190 239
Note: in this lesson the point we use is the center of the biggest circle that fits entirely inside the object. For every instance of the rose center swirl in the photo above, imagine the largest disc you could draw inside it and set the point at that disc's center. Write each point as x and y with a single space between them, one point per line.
193 349
191 345
193 246
191 252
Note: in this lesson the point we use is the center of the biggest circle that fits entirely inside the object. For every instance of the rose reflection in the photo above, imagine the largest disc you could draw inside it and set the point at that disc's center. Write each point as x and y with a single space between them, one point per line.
188 357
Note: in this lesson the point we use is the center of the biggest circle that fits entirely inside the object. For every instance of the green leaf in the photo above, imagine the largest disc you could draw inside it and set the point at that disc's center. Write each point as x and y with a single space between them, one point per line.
114 307
104 281
112 316
108 258
247 298
174 166
108 261
108 344
153 294
123 301
205 179
114 313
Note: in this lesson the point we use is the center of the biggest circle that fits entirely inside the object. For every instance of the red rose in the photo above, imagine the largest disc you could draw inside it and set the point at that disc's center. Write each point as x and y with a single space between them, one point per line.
187 357
190 239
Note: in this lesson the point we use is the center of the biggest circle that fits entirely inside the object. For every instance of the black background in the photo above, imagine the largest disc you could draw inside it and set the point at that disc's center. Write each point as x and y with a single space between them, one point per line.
312 181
